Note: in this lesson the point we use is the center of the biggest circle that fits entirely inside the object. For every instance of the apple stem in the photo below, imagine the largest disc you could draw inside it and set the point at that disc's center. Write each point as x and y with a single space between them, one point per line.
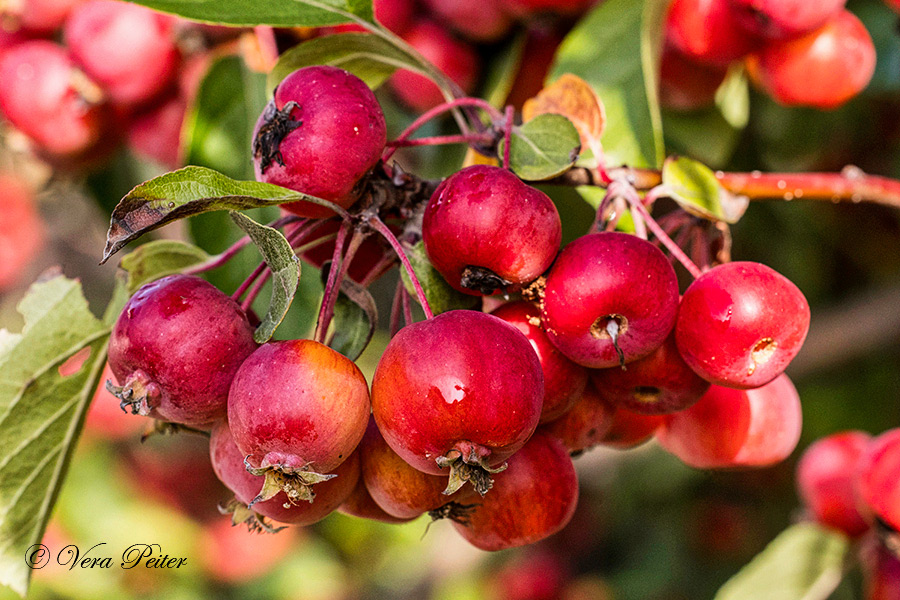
438 110
221 259
340 264
437 140
384 230
507 134
396 308
256 289
630 194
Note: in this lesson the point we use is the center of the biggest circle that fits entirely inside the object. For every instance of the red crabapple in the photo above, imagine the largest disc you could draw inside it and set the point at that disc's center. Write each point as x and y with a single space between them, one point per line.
531 500
234 555
395 486
360 504
881 571
228 464
584 425
823 69
155 134
878 478
396 15
736 428
564 381
457 59
185 382
38 16
628 429
320 134
461 390
297 409
21 229
658 383
740 324
485 230
781 19
479 20
530 8
610 298
45 96
825 479
127 49
686 85
707 31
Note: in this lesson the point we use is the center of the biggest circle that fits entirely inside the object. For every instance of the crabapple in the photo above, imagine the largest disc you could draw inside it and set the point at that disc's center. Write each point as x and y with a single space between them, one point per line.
584 425
659 383
707 32
685 84
155 134
532 499
185 382
564 381
628 429
610 298
320 134
457 59
740 324
127 49
485 230
530 8
49 100
825 479
21 229
360 504
297 409
823 69
781 19
228 464
736 428
463 389
881 572
395 486
38 16
877 481
479 20
234 555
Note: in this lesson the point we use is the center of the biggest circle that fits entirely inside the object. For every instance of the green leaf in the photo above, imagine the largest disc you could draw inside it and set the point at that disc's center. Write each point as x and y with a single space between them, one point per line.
186 192
219 126
616 49
441 297
157 259
370 57
41 413
285 267
278 13
544 147
354 320
695 188
805 562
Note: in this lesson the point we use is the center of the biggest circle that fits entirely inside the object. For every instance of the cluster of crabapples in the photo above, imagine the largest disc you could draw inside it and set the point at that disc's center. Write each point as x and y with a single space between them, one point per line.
472 416
801 53
81 76
848 482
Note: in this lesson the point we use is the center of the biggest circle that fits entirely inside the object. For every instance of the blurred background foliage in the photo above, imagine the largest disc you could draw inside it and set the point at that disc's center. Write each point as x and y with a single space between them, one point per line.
647 527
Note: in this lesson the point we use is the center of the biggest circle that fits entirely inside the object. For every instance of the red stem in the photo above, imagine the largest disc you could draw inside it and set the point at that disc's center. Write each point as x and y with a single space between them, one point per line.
222 258
383 229
470 138
437 111
635 201
507 134
325 320
330 284
850 185
407 307
395 307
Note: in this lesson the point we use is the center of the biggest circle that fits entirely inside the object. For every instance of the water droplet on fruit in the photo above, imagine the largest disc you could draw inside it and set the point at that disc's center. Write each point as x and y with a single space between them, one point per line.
451 389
